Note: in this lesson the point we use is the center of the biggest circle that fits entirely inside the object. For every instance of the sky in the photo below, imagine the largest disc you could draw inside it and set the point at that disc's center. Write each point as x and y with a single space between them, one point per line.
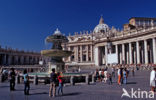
24 24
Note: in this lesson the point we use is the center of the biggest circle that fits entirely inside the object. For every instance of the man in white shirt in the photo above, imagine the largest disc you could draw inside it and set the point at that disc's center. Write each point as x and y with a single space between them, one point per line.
153 79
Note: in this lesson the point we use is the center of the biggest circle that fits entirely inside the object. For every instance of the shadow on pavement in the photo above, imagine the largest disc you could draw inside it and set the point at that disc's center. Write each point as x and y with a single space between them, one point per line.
4 86
131 82
38 93
72 94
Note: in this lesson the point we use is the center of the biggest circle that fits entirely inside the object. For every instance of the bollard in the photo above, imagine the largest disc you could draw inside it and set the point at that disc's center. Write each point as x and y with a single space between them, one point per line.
93 78
35 80
1 78
72 80
21 79
87 79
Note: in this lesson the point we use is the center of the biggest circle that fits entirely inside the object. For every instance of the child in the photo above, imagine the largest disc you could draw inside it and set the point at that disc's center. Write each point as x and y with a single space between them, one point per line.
60 83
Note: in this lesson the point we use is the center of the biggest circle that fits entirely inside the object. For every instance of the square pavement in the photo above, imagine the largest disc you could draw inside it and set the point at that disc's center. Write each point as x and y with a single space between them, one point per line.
97 91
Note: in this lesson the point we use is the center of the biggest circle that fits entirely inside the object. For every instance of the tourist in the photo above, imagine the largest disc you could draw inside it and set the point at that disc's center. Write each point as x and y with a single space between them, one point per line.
153 79
125 76
105 76
133 71
60 88
119 76
12 79
102 75
110 78
96 74
26 82
100 72
53 78
113 71
121 73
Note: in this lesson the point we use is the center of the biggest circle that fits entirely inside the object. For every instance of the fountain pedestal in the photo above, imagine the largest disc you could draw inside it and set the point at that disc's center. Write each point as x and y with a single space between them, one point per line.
58 66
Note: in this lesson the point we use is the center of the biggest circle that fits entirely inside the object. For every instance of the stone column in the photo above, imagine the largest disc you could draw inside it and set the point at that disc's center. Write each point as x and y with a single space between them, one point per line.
96 56
146 53
81 53
36 80
127 55
91 52
4 59
116 50
9 59
87 53
123 53
154 50
130 53
72 80
69 58
77 54
106 53
138 52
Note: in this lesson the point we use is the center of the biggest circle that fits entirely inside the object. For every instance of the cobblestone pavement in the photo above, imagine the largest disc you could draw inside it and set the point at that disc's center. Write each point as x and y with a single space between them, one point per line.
98 91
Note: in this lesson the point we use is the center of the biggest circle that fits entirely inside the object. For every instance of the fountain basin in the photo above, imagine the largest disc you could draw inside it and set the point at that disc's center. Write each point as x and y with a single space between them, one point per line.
56 53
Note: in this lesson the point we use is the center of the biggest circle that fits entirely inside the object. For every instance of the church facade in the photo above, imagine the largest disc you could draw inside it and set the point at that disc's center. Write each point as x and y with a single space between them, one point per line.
135 44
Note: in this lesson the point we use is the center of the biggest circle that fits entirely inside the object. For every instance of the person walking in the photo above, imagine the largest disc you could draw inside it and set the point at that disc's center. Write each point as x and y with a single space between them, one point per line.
105 76
60 88
110 78
53 80
119 76
113 72
125 76
12 79
153 79
133 71
26 82
96 75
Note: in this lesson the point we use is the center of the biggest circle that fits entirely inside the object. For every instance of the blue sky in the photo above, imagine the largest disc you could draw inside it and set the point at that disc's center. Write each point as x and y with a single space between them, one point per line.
24 24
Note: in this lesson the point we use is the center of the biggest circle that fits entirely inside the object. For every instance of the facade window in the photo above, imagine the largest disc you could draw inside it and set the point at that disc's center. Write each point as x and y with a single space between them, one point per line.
72 58
89 47
84 57
89 59
83 47
79 48
72 48
79 59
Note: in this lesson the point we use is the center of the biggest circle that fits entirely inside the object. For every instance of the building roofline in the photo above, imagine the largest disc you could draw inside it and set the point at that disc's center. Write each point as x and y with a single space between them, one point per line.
143 18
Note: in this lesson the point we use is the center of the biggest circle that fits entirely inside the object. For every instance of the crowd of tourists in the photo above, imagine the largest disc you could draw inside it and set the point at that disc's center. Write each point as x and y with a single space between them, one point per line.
106 75
122 72
56 80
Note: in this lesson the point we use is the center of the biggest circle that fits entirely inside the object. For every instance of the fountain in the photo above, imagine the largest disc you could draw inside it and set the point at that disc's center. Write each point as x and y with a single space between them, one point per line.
56 53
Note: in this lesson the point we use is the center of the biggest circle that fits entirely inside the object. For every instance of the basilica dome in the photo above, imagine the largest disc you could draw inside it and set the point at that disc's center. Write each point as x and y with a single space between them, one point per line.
101 27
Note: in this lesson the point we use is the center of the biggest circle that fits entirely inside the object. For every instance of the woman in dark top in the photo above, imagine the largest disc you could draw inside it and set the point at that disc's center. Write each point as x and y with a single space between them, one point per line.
12 79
